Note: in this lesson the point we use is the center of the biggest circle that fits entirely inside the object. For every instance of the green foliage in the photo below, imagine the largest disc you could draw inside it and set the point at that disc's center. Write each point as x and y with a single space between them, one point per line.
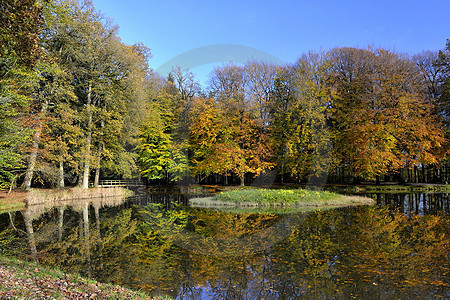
160 157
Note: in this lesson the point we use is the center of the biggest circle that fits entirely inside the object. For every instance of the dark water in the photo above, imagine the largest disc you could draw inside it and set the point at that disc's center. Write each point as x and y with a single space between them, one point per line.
398 249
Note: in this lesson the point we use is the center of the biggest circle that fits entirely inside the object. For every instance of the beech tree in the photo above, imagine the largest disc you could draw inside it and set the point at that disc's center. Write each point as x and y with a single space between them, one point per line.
300 110
162 154
52 92
106 74
444 99
380 121
20 26
432 71
243 142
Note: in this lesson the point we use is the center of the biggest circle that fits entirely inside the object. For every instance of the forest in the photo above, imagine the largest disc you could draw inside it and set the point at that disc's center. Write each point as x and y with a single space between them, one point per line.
79 105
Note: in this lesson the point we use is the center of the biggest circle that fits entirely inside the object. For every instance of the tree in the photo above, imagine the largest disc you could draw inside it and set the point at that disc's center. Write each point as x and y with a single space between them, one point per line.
226 142
260 84
281 101
234 141
444 99
161 154
107 76
432 72
300 109
54 88
209 140
380 119
15 90
20 26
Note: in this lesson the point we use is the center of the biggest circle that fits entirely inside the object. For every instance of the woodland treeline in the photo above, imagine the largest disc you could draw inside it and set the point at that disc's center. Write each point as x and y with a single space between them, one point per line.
77 105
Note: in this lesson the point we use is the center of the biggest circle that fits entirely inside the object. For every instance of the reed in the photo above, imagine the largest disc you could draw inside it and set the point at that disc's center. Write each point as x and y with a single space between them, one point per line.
39 196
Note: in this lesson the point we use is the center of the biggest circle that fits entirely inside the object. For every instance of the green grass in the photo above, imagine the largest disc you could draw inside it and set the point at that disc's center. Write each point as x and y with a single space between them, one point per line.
279 197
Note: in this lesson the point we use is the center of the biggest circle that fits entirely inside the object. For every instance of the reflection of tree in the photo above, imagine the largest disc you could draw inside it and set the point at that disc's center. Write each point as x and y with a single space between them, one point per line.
364 252
44 227
398 255
30 232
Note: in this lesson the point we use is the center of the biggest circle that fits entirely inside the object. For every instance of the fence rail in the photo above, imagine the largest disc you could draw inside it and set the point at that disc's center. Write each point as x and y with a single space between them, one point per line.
120 183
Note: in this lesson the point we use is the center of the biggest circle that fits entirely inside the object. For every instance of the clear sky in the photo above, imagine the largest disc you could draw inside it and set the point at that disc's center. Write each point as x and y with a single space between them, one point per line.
283 29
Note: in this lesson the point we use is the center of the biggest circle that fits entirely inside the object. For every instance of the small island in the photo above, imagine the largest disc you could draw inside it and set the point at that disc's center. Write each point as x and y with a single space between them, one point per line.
301 198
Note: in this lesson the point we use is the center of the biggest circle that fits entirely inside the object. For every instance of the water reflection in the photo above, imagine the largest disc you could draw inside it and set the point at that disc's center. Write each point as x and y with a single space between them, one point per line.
189 253
415 203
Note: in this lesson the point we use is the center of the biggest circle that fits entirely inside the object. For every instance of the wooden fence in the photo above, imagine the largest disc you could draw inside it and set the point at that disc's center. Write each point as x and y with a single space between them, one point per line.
120 183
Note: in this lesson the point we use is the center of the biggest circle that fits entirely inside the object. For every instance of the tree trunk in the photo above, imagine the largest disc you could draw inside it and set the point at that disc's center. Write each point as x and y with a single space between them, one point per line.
416 176
87 157
99 157
34 150
97 169
61 174
424 177
242 178
282 174
97 176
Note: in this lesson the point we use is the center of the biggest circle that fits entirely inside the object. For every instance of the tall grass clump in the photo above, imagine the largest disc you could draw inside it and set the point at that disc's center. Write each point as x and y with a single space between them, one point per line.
297 197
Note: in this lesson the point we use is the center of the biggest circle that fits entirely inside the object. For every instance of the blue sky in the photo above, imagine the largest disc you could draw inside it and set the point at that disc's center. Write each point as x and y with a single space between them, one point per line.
283 29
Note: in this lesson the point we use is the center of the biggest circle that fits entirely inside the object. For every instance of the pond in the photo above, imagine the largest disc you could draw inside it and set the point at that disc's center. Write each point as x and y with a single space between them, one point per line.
398 249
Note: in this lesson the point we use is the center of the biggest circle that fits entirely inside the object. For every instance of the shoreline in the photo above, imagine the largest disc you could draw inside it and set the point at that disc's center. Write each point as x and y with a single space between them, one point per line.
19 200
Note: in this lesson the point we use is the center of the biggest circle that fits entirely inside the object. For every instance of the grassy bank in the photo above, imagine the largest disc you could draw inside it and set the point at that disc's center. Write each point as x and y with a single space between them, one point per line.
279 198
25 280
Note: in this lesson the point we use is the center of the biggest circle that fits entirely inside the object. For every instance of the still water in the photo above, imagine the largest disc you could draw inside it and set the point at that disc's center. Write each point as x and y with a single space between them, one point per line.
397 249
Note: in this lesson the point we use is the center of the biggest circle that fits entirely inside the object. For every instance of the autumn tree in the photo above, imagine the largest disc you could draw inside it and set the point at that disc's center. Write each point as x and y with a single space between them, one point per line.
20 27
243 138
432 71
300 108
162 154
106 78
444 99
380 119
209 140
51 96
